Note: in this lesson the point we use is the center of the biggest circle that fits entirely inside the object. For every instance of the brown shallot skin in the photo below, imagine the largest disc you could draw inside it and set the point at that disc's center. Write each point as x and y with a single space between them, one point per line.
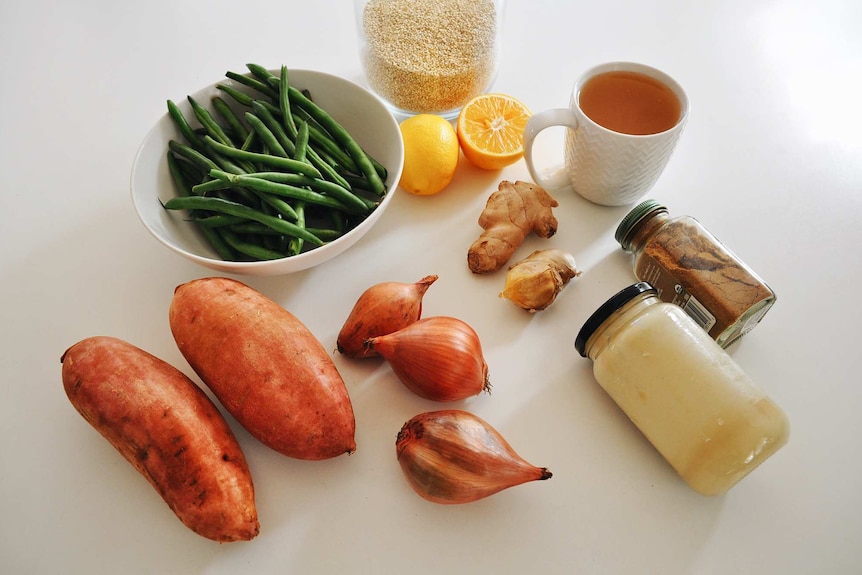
169 430
381 309
438 358
265 366
452 456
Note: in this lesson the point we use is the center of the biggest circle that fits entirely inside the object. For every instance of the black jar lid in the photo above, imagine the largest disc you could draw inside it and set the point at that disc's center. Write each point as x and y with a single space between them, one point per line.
621 298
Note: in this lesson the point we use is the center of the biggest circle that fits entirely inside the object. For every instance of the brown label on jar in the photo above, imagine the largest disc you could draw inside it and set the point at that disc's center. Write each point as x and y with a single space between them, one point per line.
671 290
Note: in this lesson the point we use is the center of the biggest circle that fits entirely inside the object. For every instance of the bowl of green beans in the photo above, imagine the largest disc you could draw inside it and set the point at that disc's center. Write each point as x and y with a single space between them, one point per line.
267 171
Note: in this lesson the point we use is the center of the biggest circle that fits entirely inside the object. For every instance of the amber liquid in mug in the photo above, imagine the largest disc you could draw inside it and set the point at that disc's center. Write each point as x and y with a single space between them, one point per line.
630 103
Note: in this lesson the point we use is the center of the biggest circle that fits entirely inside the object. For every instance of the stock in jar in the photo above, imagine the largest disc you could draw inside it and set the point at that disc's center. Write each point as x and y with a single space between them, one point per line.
681 389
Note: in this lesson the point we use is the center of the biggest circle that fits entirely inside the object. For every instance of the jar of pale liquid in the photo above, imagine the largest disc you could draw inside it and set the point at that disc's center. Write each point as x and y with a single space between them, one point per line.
687 396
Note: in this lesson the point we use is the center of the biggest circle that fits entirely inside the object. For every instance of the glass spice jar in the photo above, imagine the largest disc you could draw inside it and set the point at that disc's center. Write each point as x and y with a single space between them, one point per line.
690 267
682 390
429 56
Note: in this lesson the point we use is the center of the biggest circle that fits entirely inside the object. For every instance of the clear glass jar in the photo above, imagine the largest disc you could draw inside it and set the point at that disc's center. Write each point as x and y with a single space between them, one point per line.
429 56
690 267
688 397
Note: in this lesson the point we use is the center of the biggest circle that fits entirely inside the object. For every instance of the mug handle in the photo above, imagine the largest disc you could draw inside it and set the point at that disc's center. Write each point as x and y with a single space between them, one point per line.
538 122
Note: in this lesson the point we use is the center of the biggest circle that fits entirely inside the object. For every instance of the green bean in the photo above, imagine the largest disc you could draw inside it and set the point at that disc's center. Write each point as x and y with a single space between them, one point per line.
197 158
190 171
208 122
238 95
338 221
324 141
267 117
261 73
286 190
249 141
279 205
220 221
205 188
284 102
253 83
223 250
323 186
342 137
326 169
326 234
183 125
288 164
379 168
229 165
230 118
216 132
253 228
240 210
258 229
183 187
251 250
295 244
266 136
301 142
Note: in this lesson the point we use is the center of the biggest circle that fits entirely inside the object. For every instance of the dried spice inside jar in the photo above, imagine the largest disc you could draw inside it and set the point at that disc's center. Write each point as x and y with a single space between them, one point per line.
691 268
429 55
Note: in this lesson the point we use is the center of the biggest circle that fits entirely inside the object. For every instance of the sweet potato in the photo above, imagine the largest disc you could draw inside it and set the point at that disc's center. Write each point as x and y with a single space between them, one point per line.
265 366
169 430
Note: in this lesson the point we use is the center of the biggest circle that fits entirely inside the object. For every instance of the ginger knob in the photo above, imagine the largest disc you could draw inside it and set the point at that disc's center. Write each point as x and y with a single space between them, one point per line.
512 212
534 283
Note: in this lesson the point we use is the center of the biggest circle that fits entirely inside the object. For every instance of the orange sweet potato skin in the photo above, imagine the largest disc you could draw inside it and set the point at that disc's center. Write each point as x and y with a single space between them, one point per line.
265 367
169 430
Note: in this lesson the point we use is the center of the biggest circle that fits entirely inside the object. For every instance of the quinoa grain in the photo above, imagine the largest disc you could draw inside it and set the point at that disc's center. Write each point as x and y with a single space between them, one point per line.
429 55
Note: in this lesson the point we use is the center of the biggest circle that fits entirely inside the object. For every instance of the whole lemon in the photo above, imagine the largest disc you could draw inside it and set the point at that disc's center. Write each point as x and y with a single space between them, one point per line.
431 152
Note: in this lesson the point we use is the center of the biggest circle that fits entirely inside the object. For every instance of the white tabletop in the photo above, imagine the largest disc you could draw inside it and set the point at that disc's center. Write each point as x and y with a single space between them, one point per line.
771 162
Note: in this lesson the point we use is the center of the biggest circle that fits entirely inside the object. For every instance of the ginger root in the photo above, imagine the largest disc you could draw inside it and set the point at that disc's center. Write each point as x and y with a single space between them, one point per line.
512 212
534 283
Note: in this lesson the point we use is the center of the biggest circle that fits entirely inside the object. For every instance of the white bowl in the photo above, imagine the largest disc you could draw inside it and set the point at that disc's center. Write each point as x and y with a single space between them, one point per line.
362 114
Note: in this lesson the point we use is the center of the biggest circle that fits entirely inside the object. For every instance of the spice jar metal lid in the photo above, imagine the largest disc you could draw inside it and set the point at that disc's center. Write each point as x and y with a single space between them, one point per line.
617 301
630 222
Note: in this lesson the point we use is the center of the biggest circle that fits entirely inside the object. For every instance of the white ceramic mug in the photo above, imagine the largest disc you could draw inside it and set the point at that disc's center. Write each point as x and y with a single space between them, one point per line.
606 167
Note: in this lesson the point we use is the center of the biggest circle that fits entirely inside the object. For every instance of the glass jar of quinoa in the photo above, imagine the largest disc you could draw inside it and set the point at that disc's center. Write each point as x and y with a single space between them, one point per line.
429 56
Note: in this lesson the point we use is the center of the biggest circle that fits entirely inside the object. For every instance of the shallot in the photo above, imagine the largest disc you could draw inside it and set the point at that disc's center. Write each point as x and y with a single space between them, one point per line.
453 456
381 309
438 358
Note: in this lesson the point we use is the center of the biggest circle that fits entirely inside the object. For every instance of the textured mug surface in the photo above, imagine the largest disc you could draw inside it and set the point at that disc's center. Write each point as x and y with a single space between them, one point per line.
606 167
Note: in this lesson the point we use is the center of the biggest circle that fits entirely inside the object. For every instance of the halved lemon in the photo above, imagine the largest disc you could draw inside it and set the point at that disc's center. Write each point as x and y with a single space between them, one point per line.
491 130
